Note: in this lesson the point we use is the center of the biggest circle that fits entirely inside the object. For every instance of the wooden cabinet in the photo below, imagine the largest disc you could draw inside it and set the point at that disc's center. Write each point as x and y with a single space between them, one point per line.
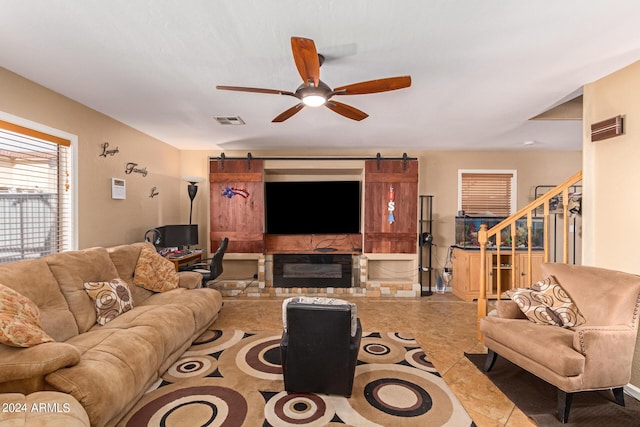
465 281
524 281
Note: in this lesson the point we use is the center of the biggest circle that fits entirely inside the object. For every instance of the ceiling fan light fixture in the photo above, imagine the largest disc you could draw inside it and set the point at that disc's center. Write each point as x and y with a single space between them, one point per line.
314 100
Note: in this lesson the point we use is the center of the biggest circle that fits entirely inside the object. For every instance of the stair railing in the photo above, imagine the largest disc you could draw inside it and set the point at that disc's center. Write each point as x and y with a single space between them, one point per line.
484 236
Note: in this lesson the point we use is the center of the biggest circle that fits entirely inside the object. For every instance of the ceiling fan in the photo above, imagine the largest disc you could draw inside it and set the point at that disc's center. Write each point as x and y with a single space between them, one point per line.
313 92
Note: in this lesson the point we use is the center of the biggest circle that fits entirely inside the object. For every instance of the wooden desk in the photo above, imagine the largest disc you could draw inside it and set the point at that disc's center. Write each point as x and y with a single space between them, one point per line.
186 259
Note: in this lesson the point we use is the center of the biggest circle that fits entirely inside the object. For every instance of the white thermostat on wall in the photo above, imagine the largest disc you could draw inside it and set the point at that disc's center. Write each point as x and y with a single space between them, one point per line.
118 188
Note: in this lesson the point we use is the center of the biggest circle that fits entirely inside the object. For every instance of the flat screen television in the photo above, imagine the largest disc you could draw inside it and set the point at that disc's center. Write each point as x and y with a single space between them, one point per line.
312 207
178 235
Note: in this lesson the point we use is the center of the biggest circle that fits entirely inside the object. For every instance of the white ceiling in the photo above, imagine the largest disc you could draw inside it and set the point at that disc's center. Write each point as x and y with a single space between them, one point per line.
480 69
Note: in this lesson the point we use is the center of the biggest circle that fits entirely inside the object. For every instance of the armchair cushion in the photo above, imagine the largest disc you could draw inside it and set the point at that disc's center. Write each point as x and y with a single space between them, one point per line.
547 303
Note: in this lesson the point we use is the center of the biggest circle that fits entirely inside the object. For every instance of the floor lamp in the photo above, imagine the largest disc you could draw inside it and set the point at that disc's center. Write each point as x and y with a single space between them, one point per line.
192 190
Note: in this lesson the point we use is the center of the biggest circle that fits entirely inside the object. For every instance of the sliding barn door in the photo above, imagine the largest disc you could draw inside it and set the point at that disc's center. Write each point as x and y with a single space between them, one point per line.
381 235
237 204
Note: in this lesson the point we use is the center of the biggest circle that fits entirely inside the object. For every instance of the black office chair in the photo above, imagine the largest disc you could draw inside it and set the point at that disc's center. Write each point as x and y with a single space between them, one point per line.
319 348
210 268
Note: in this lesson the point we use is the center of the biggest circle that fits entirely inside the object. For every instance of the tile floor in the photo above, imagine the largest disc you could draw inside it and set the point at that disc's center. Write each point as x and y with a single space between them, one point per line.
444 326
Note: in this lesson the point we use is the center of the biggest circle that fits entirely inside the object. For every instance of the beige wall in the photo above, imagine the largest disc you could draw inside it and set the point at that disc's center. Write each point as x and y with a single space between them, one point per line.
611 177
101 220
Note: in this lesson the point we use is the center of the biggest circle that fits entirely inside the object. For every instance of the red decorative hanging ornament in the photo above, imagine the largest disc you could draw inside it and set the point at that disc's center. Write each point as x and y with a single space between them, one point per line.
391 206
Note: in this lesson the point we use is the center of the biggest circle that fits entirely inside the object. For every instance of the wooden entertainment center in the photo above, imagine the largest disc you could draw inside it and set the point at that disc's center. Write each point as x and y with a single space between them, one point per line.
242 218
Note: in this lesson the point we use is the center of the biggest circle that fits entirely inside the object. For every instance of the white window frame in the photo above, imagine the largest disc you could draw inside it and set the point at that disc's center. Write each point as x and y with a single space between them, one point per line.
73 178
514 184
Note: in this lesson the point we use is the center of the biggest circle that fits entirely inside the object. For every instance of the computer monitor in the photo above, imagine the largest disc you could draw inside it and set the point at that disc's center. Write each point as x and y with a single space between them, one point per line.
178 235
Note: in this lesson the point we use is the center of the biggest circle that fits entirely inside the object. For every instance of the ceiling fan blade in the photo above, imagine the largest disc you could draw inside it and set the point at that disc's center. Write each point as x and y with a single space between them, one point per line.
346 110
288 113
256 89
306 57
374 86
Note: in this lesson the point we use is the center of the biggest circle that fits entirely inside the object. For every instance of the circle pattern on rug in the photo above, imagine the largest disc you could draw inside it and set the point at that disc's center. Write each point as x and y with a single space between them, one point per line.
406 339
256 356
213 340
396 394
205 405
189 367
251 358
398 397
380 350
417 358
294 409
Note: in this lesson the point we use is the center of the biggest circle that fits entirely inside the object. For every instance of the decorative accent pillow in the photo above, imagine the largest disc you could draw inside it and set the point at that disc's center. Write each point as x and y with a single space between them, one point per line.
548 304
154 272
111 299
20 320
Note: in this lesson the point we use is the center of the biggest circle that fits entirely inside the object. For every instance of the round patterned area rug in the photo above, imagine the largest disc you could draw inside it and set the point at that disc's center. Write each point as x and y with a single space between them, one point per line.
234 378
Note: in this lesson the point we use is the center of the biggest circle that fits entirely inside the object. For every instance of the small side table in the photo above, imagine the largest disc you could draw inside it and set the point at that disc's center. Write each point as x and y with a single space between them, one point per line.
185 259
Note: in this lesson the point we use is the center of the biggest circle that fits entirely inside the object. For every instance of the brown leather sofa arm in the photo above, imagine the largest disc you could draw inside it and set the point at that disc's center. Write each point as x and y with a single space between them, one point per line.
189 279
18 363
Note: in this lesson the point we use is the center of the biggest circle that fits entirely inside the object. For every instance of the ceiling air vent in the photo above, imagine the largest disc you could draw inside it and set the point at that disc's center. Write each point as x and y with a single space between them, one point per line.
229 120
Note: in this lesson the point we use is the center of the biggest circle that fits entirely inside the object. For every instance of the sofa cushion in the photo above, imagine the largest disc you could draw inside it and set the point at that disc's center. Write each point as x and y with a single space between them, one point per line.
34 280
71 270
117 365
171 325
125 258
19 320
154 272
111 298
204 303
547 303
549 347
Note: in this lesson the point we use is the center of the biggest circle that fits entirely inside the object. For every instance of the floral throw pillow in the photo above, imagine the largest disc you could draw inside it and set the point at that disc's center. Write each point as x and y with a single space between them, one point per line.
19 320
111 299
154 272
547 303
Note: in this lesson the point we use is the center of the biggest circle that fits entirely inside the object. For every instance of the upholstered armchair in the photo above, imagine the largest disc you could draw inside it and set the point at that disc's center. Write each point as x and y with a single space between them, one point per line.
320 345
594 355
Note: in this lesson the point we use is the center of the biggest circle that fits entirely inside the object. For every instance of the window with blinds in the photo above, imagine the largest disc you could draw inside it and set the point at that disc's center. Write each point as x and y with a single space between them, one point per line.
35 196
487 192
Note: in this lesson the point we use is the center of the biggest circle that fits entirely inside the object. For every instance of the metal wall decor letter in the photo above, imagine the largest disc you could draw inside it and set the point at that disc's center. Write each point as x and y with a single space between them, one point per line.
106 152
131 167
391 206
154 193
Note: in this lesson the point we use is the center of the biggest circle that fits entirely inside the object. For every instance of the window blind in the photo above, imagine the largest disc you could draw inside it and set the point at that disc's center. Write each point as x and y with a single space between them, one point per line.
35 198
487 193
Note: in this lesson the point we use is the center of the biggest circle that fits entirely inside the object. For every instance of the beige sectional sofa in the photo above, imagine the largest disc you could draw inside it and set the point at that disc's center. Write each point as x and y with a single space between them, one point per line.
105 368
